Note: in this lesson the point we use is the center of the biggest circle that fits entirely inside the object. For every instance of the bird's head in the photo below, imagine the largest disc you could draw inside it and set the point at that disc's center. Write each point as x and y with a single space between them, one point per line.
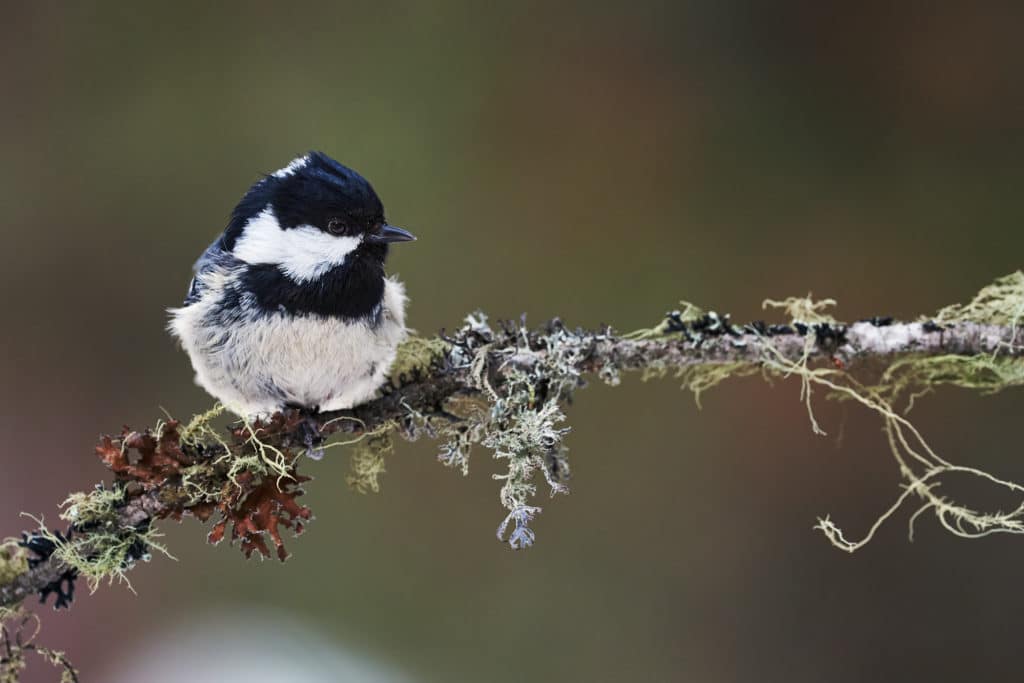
309 218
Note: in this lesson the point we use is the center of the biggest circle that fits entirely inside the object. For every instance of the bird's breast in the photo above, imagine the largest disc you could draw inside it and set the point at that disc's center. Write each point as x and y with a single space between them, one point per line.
257 362
325 361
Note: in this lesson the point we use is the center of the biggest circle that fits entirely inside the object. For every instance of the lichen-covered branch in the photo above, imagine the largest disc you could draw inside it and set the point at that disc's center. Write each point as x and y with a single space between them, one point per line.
604 352
504 387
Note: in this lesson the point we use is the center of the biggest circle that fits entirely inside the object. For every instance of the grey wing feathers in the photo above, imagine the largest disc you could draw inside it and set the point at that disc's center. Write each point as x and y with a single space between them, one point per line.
215 257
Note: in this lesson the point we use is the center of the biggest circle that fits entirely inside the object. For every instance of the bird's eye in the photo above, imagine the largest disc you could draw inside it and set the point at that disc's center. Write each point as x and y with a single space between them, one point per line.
336 226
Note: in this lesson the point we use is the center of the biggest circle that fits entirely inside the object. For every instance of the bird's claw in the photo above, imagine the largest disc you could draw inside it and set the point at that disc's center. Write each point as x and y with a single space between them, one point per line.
308 430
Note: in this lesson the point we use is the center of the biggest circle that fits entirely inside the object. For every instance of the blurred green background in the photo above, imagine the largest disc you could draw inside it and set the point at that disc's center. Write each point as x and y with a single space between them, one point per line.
593 160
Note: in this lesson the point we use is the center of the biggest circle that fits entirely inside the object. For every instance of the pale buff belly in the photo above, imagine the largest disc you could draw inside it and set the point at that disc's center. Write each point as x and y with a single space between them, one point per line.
260 365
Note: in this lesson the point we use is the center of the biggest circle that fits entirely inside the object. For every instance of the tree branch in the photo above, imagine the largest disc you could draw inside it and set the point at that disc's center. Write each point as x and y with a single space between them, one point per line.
500 388
860 342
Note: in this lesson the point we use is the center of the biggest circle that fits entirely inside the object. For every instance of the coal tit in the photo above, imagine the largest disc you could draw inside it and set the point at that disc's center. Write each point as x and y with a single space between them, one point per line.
290 306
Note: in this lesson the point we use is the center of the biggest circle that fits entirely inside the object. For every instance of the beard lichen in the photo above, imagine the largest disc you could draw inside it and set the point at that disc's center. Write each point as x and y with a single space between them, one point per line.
18 632
95 508
200 430
920 466
265 459
803 309
367 460
98 546
700 378
257 455
804 313
916 377
1000 303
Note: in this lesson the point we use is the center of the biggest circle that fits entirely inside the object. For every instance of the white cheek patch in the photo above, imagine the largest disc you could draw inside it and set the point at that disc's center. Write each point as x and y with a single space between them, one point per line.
291 168
304 253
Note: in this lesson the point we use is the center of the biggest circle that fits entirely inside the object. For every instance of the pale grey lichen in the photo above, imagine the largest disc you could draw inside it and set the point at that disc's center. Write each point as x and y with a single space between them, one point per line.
521 424
522 378
522 535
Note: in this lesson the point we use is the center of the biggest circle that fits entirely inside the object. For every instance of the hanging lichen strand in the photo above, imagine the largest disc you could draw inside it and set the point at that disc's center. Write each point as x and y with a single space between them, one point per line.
503 388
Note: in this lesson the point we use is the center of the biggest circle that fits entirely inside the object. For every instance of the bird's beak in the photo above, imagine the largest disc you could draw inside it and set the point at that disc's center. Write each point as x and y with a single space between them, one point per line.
391 233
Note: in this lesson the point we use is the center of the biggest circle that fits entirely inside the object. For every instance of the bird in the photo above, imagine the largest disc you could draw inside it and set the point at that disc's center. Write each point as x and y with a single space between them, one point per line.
290 306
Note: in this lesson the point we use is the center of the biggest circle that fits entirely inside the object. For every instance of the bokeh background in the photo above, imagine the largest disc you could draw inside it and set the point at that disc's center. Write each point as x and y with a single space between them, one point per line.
593 160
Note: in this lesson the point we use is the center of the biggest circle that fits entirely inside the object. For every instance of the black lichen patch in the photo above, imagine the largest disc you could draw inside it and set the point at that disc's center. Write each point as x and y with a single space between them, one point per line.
42 548
715 325
63 588
757 327
829 337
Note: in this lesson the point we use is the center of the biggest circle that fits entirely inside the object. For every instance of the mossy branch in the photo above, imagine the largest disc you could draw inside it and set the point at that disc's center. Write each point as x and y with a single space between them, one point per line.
504 387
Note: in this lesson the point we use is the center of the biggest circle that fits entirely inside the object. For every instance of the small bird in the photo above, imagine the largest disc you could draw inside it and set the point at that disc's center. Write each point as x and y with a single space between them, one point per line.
290 306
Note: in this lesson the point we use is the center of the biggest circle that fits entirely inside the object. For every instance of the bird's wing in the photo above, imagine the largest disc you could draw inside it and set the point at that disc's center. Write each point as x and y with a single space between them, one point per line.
216 257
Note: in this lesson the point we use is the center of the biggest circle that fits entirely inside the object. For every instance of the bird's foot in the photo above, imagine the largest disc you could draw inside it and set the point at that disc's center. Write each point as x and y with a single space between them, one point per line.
308 429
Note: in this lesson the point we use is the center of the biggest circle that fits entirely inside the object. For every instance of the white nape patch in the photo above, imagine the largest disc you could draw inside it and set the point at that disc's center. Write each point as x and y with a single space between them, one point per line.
304 252
291 168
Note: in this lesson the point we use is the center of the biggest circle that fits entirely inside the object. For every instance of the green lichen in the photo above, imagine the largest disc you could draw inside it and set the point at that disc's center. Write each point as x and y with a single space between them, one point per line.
107 550
106 553
200 430
95 508
416 355
13 561
701 378
200 484
18 631
803 309
367 461
255 454
265 459
917 377
1000 303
